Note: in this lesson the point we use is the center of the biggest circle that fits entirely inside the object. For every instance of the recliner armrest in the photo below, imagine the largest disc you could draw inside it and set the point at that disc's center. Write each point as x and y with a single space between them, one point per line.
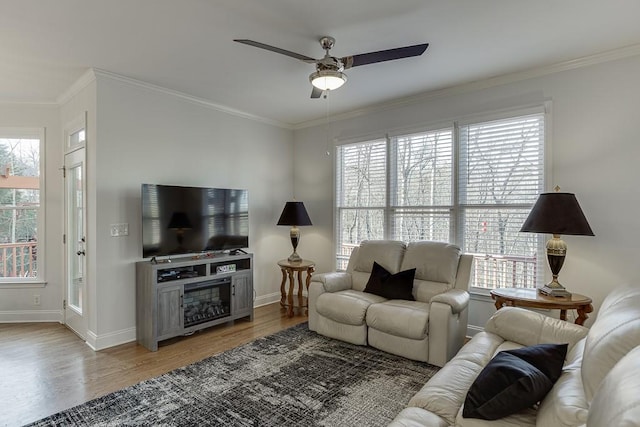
458 299
333 282
528 327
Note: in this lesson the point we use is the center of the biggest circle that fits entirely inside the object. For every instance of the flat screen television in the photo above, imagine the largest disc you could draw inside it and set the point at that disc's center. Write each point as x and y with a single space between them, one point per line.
183 220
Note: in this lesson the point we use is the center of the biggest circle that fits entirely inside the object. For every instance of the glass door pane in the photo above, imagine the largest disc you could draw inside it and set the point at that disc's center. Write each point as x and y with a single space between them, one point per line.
76 237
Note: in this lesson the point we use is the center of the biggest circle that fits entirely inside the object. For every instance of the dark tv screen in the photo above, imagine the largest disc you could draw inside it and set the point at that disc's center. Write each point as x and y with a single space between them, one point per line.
183 220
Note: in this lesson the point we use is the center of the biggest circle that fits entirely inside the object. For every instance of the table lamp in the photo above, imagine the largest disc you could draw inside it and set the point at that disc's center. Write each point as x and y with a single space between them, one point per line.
294 214
556 213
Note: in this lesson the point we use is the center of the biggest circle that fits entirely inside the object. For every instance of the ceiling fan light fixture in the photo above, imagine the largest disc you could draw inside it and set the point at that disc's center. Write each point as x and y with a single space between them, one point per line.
327 79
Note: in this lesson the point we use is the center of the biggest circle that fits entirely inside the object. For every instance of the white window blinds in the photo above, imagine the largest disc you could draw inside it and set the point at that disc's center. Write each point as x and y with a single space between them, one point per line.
501 175
421 188
471 184
361 195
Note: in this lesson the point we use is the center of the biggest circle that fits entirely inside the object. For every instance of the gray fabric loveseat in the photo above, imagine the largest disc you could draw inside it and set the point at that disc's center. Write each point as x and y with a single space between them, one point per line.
431 328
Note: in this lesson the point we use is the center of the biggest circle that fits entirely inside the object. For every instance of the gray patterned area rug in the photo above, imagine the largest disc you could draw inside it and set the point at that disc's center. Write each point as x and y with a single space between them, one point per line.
292 378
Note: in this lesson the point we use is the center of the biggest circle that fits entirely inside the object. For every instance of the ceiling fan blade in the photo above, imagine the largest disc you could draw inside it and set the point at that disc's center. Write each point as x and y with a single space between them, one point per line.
276 50
384 55
316 93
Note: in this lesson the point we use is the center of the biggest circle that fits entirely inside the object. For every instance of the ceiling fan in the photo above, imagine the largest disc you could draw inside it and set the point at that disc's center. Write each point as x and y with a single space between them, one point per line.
329 69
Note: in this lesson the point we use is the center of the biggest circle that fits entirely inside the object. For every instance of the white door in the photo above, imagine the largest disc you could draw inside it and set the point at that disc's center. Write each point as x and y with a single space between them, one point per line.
75 307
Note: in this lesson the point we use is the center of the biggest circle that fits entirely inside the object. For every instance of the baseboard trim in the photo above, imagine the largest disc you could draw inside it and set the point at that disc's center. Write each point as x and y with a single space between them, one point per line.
266 299
123 336
473 329
110 339
30 316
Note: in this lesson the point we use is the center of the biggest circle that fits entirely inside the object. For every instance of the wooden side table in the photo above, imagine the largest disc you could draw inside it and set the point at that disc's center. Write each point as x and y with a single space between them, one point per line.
289 269
520 297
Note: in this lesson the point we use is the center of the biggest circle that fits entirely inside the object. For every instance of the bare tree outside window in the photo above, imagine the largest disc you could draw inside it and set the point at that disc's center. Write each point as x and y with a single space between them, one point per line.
501 175
362 191
409 196
423 191
19 205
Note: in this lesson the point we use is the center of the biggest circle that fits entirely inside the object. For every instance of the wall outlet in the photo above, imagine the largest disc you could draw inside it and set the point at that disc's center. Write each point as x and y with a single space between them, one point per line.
118 230
36 299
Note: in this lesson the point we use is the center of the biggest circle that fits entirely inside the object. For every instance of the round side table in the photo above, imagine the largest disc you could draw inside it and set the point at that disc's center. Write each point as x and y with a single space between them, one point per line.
288 270
521 297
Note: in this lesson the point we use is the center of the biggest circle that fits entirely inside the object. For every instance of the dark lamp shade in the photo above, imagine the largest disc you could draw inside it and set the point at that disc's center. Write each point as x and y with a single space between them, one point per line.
294 213
179 220
557 213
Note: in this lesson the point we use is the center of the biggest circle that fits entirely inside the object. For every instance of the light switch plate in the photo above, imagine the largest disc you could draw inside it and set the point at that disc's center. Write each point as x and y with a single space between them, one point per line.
118 230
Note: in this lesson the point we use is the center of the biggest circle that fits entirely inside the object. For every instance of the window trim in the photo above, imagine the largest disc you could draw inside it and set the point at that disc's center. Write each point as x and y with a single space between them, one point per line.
77 124
38 281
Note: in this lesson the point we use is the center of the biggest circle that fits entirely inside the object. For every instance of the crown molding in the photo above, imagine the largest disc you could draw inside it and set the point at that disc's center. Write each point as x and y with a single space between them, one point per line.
85 80
91 75
611 55
52 104
189 98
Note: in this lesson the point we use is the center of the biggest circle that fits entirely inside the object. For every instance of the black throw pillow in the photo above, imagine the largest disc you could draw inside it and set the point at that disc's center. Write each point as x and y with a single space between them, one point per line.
391 286
514 380
378 275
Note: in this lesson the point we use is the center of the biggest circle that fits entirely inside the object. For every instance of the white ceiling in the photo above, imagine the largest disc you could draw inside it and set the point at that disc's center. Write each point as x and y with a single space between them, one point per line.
187 46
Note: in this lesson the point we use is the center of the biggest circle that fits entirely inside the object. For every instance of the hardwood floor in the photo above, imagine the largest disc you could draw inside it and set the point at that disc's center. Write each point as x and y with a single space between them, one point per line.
45 368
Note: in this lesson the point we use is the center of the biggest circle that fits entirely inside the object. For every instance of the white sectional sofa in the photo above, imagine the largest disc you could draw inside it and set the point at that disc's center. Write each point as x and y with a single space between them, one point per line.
599 385
431 329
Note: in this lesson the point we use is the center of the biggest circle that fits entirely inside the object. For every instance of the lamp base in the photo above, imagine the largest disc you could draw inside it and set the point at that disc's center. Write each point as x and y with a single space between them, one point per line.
556 251
295 239
294 257
555 290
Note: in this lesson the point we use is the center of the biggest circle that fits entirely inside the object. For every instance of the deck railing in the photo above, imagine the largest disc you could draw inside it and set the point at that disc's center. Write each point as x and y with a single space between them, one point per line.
18 259
344 252
503 271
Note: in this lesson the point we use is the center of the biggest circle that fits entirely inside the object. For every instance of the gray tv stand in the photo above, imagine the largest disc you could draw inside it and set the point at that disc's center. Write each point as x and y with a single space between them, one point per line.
183 295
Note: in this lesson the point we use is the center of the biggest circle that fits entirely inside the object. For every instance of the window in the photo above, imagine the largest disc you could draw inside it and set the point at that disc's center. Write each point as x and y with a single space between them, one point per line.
471 183
21 218
421 186
361 196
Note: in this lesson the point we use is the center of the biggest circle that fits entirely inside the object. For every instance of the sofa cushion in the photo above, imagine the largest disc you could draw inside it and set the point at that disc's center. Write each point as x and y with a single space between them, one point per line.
391 286
417 417
617 400
359 280
387 253
614 333
524 418
433 261
424 290
566 405
516 324
348 307
514 380
445 392
407 319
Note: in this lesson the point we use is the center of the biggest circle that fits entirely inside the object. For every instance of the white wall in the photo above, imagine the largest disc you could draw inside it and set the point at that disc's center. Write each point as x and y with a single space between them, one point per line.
16 302
594 153
138 133
146 135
